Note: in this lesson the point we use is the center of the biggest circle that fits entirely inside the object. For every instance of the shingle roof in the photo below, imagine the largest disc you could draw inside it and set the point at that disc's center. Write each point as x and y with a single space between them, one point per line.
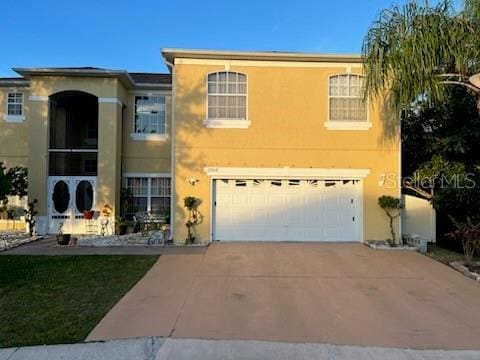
142 80
151 78
13 81
78 68
16 78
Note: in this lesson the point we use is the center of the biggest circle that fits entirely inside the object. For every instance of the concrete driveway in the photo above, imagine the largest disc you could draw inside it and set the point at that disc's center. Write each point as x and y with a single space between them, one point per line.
324 293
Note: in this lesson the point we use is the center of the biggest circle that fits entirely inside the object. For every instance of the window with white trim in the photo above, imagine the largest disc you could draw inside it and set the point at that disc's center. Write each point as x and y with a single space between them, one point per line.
346 101
150 114
150 195
15 104
227 96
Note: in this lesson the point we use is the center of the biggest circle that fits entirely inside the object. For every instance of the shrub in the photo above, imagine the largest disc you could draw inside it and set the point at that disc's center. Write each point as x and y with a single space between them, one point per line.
468 234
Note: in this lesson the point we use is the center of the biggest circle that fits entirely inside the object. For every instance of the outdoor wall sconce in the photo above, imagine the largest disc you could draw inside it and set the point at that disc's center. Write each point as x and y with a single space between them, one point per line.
192 181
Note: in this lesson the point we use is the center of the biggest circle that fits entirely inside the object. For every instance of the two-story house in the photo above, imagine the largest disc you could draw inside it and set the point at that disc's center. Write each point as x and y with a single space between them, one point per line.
277 146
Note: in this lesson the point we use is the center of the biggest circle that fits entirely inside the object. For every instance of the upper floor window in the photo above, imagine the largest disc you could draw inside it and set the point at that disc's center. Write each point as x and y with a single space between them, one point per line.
14 107
150 114
346 101
227 96
15 104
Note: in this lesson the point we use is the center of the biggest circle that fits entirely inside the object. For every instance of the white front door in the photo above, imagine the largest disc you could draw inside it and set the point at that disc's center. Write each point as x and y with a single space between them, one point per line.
68 198
287 210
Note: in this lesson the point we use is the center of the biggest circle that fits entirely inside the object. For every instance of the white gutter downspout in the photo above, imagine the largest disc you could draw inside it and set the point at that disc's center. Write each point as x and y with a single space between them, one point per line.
172 154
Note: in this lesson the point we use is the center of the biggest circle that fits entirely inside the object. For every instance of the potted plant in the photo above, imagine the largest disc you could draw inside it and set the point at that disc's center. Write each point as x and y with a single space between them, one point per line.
121 225
88 214
62 239
131 226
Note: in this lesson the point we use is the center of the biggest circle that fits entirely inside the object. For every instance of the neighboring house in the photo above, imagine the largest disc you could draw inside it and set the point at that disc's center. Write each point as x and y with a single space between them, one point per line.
278 146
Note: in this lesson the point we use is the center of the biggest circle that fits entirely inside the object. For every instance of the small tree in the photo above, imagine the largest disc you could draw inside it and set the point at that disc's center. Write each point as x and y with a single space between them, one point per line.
392 207
30 213
194 217
468 234
4 188
12 182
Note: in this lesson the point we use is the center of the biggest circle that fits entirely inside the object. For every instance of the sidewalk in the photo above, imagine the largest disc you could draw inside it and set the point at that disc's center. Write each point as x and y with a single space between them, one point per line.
186 349
48 246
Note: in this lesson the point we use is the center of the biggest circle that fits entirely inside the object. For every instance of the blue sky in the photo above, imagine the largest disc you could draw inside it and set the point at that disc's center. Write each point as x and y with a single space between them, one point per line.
121 34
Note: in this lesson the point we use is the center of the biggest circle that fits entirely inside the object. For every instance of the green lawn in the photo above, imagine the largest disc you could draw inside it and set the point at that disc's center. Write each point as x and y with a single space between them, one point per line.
60 299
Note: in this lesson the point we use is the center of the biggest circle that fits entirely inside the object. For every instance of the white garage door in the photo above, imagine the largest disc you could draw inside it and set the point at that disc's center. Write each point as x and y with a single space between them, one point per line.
287 210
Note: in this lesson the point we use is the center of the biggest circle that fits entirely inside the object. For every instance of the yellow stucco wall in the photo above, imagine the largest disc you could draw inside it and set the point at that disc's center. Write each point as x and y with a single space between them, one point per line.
13 136
146 156
287 107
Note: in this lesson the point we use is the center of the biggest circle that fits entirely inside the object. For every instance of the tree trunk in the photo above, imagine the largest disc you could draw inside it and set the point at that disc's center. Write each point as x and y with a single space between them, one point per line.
392 231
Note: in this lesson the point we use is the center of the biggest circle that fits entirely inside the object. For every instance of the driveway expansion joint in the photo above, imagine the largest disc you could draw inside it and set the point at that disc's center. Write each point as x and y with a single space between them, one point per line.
13 353
331 352
152 345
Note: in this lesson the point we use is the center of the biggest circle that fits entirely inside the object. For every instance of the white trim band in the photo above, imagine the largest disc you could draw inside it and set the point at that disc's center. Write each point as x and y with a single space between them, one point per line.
268 63
14 118
149 137
227 124
109 100
348 125
146 175
37 98
287 172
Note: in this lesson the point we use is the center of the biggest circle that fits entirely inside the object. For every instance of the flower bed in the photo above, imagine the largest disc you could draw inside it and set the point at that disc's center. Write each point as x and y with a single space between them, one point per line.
472 271
12 239
136 239
384 245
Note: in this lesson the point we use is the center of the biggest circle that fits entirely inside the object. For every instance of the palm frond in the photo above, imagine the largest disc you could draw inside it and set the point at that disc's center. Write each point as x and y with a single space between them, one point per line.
408 47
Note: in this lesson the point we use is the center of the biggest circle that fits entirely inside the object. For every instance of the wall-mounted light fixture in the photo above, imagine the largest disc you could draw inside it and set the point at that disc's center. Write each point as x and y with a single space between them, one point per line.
192 181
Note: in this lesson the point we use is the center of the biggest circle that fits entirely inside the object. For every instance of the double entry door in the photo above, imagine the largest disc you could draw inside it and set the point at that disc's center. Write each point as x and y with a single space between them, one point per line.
68 198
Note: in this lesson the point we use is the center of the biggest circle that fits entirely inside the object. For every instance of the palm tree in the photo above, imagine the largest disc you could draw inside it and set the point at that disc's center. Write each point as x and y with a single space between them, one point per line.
415 51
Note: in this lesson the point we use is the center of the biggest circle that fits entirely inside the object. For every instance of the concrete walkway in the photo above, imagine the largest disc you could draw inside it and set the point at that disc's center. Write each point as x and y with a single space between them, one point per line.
187 349
48 246
296 292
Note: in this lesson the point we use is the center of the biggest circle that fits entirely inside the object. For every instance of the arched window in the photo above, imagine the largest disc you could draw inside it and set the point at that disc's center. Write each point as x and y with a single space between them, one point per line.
227 96
346 101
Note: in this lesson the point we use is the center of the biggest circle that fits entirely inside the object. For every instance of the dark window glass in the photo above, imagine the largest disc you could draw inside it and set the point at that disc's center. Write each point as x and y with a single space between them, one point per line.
73 121
140 204
160 205
61 196
73 164
150 114
84 196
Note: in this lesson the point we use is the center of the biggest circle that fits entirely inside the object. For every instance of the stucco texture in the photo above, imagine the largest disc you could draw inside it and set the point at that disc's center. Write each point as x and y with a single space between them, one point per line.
13 136
288 108
140 156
